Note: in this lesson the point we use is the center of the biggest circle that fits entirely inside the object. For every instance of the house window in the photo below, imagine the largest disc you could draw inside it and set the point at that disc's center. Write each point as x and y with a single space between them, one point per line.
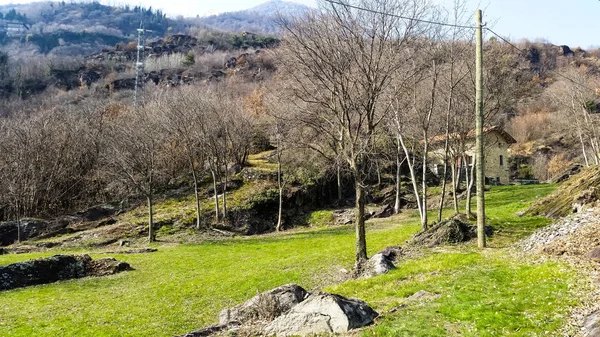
501 160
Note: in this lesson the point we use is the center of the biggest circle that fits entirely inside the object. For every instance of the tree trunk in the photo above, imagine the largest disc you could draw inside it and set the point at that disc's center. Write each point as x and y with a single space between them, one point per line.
398 182
454 186
469 184
413 177
196 192
150 219
378 173
339 183
361 241
217 210
280 185
280 210
225 194
18 224
424 218
442 198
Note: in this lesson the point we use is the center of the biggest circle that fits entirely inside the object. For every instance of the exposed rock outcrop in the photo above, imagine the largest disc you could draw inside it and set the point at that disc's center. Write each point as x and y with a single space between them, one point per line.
384 211
322 313
591 325
290 310
57 268
376 265
578 192
264 306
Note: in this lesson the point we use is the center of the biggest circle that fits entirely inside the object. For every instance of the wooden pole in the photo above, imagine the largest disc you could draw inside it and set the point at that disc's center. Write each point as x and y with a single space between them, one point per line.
480 158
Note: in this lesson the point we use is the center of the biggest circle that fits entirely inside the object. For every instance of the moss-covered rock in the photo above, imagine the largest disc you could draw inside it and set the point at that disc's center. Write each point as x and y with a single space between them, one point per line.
579 191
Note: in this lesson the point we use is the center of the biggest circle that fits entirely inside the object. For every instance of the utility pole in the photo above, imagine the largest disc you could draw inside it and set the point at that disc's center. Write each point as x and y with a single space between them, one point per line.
480 157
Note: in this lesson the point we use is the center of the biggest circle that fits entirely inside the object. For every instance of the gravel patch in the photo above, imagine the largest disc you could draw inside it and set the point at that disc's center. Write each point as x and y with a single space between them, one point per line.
570 240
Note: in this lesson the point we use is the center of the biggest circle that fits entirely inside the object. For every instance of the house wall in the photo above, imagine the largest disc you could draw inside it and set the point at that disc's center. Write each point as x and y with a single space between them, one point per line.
495 146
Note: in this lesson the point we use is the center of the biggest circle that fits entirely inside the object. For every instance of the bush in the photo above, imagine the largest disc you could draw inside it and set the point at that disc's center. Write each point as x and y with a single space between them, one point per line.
322 218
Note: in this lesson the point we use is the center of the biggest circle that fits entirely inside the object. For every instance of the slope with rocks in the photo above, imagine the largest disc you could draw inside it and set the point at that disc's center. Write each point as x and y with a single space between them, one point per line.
580 191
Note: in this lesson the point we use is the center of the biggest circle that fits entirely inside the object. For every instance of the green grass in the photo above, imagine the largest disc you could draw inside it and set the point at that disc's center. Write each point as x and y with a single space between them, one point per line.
182 288
321 218
480 295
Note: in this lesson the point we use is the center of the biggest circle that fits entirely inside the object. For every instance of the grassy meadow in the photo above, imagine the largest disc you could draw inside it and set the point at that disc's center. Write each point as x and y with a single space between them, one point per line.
183 287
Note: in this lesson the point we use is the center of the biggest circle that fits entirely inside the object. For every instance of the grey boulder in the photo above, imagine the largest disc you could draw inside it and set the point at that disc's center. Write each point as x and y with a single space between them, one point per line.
378 264
322 313
591 325
264 306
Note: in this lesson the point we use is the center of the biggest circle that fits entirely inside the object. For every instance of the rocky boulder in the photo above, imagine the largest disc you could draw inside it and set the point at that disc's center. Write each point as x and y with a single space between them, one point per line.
264 306
594 255
344 216
380 263
591 325
384 211
56 268
30 228
98 212
322 313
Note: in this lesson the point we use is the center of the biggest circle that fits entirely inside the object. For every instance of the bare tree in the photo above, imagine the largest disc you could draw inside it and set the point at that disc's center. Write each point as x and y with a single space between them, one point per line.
134 153
340 61
182 116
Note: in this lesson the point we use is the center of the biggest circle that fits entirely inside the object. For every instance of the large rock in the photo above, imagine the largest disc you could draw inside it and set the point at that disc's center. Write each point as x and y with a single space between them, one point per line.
98 212
56 268
378 264
384 211
591 325
30 228
322 313
344 216
595 254
264 306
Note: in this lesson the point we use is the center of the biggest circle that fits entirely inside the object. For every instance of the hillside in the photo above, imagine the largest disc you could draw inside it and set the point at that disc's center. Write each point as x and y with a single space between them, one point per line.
258 19
80 28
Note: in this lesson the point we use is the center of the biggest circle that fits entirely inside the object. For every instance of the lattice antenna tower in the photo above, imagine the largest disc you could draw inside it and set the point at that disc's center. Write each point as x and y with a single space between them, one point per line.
140 63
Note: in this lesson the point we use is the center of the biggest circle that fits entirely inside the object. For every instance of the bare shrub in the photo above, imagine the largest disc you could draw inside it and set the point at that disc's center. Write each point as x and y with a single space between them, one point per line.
558 164
532 125
165 62
262 61
209 61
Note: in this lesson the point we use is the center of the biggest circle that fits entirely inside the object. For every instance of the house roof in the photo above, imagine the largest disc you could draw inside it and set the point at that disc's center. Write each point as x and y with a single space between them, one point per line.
471 134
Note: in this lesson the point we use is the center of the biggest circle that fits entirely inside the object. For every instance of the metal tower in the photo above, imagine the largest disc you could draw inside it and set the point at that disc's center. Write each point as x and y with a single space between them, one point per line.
140 62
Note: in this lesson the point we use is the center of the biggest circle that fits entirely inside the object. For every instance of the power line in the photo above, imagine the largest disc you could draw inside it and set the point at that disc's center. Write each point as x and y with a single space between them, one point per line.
399 16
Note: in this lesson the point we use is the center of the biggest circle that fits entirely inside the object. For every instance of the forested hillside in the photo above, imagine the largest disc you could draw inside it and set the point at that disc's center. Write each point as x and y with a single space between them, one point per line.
530 92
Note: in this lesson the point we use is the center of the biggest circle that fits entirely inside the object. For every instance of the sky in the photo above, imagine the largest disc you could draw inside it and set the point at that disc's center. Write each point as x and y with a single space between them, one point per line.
572 22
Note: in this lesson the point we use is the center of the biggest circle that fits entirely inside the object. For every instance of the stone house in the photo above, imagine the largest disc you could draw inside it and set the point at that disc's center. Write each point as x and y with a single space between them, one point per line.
496 144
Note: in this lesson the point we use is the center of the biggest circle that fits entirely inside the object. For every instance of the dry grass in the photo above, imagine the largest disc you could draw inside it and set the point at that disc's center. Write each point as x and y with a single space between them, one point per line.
172 61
